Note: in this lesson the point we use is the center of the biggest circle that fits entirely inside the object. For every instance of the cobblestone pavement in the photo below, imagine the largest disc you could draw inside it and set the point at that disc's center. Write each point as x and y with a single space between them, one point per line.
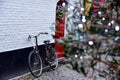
63 73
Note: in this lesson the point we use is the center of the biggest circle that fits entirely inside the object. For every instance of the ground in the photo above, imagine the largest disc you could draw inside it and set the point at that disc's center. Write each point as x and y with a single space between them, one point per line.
63 72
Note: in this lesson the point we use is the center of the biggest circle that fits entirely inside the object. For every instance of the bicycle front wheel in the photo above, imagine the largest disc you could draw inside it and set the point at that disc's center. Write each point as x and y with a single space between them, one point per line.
53 58
35 64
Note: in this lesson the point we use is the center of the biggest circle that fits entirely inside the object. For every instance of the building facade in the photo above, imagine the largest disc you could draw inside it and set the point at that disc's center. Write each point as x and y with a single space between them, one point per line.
21 18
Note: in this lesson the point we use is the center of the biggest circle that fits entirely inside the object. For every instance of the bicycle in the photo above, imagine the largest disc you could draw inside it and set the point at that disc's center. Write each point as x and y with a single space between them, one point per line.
37 59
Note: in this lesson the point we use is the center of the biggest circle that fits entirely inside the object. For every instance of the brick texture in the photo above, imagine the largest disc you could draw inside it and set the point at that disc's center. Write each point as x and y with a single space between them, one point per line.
21 18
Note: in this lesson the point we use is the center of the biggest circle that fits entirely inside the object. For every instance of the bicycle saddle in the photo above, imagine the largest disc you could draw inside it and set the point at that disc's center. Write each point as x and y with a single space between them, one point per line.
46 41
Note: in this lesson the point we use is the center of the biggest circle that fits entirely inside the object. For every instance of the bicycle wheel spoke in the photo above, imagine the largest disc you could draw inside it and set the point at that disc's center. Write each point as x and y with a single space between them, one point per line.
35 64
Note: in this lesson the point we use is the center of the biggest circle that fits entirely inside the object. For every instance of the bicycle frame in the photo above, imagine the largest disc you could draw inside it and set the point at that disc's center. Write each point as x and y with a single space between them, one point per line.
40 58
35 43
35 48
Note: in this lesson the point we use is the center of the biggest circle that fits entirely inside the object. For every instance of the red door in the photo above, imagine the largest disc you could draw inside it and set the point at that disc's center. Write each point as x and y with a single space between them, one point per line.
60 25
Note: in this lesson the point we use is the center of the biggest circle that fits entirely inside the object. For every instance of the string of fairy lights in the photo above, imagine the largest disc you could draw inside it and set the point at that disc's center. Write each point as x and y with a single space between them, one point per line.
73 12
82 21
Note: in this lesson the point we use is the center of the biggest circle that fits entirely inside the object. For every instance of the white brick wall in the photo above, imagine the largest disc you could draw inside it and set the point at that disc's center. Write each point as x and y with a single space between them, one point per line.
19 18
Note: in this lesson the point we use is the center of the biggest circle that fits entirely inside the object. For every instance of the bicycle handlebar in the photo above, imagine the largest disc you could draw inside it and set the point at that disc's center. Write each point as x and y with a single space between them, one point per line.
42 33
32 36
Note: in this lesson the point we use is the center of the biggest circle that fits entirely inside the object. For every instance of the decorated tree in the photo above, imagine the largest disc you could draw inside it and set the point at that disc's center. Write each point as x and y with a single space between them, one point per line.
92 41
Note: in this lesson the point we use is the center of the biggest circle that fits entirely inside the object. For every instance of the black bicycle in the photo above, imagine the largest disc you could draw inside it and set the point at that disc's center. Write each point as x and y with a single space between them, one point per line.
36 59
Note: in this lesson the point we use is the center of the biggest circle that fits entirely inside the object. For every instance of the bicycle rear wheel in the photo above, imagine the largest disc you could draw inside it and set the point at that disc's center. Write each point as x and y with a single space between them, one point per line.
53 58
35 64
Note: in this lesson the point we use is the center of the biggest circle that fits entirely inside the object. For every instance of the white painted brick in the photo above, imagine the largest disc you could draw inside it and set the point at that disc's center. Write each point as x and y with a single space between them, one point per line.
20 18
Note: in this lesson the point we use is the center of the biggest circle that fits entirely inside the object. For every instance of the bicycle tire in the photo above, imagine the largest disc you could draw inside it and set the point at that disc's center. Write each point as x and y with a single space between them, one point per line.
35 64
53 58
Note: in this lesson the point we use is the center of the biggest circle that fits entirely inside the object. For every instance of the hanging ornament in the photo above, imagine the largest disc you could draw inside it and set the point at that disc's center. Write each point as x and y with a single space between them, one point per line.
103 19
63 4
76 55
81 37
82 9
99 12
112 22
80 25
83 19
106 30
90 43
109 24
117 28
